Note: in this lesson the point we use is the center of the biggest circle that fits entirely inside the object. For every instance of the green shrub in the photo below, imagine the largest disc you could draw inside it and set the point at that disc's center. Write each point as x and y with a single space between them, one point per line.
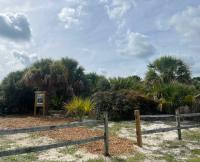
189 100
121 104
79 107
173 95
56 102
18 97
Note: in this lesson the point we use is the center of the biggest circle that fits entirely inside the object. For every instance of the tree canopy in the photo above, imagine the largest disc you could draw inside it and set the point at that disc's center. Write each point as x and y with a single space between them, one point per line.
166 83
168 69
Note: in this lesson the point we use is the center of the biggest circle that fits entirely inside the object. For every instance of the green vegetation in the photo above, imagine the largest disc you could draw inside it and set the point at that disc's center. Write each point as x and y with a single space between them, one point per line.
169 158
196 151
69 150
116 127
96 160
31 157
79 107
173 144
192 135
168 69
121 104
167 85
136 158
197 159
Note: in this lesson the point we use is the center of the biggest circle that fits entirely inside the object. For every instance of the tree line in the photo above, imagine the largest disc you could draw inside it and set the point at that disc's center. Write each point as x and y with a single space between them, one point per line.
167 85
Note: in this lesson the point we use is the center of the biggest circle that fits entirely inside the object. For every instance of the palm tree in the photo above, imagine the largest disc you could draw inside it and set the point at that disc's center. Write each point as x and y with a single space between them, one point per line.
168 69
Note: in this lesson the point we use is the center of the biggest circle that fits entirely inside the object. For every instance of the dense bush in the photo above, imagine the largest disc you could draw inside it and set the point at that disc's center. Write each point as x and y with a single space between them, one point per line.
62 79
172 95
18 97
131 82
121 104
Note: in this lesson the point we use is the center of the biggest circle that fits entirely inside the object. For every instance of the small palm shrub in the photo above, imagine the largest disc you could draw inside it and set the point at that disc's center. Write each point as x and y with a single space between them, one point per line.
189 100
79 107
56 102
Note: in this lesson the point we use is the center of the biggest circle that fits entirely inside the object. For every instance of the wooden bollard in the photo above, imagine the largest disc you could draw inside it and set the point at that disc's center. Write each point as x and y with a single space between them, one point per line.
106 136
178 123
138 128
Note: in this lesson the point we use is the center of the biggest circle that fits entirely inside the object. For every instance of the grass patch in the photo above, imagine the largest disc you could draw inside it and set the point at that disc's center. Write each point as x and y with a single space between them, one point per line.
96 160
33 135
173 144
117 126
194 160
69 150
196 151
192 135
31 157
136 158
6 144
169 158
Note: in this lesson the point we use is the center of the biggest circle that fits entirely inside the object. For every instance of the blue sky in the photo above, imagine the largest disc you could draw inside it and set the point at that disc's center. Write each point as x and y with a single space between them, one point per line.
110 37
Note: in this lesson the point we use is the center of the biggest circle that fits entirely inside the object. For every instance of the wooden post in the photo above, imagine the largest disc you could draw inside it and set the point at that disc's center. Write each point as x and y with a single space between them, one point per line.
138 128
106 137
178 123
44 106
35 107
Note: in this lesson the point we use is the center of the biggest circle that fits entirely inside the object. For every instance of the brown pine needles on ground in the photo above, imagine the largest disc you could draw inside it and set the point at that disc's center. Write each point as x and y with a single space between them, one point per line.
117 145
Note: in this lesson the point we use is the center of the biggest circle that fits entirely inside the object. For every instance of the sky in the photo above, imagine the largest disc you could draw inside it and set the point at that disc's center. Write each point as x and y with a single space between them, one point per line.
109 37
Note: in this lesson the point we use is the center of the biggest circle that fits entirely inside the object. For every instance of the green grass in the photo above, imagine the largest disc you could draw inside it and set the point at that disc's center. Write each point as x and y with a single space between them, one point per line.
197 159
136 158
96 160
6 144
169 158
196 151
119 125
192 135
31 157
173 144
69 150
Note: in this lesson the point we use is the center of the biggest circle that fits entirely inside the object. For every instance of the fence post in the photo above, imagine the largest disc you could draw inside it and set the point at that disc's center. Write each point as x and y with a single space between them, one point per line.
138 128
178 123
106 138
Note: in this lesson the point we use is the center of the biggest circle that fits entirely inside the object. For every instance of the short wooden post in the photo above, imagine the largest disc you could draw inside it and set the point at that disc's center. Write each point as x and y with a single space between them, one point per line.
178 120
138 128
35 106
106 136
178 123
44 106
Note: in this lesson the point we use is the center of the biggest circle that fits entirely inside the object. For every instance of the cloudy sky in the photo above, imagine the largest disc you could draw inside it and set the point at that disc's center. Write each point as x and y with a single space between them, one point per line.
110 37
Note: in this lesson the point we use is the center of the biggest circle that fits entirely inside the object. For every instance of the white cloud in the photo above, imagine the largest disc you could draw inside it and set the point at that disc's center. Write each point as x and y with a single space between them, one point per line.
24 58
71 15
135 44
14 26
117 9
14 58
187 24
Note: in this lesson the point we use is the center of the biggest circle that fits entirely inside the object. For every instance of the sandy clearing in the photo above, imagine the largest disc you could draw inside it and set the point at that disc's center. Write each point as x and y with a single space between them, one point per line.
156 146
55 155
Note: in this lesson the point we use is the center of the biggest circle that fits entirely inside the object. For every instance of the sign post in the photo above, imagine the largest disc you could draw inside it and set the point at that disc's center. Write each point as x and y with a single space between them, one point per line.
40 101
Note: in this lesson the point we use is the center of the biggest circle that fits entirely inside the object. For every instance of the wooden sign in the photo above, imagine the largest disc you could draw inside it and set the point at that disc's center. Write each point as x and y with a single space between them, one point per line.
40 101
